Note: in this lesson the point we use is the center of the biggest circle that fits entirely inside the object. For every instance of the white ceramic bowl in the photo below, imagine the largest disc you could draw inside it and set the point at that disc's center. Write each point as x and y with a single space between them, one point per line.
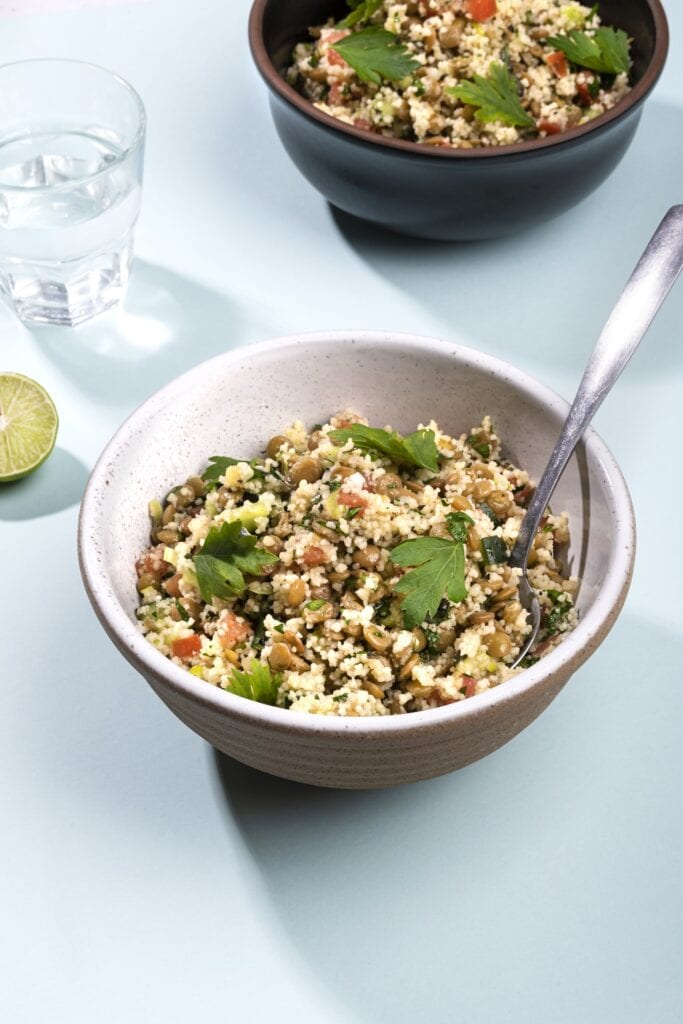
232 405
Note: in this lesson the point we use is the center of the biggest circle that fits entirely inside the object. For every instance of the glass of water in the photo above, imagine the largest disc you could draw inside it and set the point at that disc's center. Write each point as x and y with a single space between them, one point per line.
71 151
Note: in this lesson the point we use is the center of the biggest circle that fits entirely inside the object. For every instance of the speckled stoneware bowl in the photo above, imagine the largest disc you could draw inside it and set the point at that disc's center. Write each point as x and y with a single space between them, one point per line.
432 191
231 405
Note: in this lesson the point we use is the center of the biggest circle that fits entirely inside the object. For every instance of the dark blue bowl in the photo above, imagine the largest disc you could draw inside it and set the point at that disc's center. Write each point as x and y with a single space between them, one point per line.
454 194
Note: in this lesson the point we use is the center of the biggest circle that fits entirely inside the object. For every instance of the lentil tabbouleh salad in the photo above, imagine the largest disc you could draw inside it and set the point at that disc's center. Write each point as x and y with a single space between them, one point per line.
351 571
464 73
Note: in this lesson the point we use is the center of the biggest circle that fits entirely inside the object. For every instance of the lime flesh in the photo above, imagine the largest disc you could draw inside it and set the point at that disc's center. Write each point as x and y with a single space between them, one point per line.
28 426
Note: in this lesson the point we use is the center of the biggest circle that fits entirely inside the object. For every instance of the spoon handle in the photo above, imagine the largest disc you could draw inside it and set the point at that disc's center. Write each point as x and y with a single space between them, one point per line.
648 286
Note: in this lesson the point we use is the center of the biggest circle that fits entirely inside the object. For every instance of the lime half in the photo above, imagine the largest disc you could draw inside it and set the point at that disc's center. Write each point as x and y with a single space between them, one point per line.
28 426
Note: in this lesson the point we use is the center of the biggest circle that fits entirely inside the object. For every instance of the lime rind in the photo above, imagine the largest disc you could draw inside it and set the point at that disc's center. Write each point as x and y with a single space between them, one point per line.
28 426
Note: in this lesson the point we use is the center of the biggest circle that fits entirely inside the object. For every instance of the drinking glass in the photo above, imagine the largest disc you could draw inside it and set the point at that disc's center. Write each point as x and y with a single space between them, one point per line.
71 152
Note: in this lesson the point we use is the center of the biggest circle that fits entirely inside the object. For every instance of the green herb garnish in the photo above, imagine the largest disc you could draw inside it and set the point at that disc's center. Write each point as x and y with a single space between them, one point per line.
182 612
314 606
374 54
340 698
351 513
227 553
361 10
497 97
382 610
259 637
259 683
219 464
562 605
432 637
482 448
418 449
607 51
494 551
440 569
528 660
457 524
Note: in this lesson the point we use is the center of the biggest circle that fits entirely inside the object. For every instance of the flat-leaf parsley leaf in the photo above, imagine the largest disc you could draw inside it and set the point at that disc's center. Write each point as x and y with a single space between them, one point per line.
496 97
259 683
361 10
607 51
439 569
219 464
227 553
374 54
418 449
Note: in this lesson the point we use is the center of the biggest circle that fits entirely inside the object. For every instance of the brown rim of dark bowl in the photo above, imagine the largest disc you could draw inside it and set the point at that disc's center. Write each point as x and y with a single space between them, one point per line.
639 91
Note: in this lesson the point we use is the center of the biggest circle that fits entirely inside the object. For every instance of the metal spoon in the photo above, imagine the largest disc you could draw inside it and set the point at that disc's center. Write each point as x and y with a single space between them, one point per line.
648 286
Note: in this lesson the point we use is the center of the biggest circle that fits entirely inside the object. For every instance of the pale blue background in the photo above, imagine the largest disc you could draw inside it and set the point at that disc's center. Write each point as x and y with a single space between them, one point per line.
143 878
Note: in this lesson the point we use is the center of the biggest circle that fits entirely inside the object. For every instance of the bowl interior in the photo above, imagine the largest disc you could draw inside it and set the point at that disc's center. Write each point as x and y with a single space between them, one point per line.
285 24
233 404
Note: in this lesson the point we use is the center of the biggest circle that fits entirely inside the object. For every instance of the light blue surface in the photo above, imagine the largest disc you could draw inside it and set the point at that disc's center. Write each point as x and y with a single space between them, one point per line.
143 878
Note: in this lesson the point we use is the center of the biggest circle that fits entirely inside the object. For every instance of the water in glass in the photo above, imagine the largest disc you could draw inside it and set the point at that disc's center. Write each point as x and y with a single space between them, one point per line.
71 154
66 224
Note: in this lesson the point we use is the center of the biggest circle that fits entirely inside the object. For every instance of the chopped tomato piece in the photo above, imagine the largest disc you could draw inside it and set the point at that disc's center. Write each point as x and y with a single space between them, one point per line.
583 88
314 556
352 500
481 10
557 62
549 127
328 41
360 122
186 646
232 629
470 685
152 562
334 96
336 58
335 35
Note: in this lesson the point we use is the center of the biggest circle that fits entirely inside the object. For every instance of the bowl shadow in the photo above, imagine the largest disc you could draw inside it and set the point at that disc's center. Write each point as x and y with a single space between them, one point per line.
440 901
55 486
558 303
166 324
